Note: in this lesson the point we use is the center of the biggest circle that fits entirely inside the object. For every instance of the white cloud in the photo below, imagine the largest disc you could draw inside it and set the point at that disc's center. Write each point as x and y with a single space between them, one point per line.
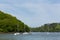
34 12
43 13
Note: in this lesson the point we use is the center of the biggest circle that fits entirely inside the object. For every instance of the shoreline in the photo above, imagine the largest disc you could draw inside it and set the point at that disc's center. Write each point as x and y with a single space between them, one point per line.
7 32
21 32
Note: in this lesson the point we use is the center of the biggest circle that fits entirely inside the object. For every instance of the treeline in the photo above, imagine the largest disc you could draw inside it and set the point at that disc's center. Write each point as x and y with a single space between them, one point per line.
9 23
53 27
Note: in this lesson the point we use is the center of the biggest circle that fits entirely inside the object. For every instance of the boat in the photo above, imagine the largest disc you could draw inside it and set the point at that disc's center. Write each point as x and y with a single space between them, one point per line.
17 33
25 31
48 31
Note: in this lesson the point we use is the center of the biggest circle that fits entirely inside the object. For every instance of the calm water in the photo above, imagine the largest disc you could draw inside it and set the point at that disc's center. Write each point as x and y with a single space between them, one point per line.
33 36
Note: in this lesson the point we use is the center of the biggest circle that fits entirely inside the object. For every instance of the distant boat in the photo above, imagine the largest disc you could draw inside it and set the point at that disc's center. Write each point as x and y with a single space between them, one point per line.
17 33
48 31
25 31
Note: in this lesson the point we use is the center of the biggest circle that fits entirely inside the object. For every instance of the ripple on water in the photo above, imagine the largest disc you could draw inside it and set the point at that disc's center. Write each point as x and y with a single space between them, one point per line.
33 36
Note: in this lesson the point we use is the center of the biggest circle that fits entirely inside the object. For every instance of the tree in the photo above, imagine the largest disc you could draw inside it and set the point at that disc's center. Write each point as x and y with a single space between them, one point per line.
8 23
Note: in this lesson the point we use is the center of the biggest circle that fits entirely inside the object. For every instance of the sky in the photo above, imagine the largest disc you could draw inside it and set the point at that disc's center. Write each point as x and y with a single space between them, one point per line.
34 13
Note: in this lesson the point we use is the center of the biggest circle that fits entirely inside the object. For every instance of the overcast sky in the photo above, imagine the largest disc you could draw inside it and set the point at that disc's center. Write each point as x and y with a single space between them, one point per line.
33 12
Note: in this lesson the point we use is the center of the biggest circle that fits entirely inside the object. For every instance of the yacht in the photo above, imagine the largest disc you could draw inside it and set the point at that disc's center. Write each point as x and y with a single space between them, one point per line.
25 31
17 33
48 31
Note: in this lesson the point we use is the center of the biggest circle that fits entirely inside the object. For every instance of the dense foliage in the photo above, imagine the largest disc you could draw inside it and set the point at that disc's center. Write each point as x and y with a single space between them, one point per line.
53 27
9 23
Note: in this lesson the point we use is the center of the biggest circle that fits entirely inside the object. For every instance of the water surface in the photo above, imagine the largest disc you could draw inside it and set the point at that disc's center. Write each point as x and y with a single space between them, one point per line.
33 36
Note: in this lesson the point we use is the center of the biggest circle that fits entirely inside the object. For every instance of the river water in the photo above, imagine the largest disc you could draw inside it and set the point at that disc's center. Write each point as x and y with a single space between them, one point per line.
32 36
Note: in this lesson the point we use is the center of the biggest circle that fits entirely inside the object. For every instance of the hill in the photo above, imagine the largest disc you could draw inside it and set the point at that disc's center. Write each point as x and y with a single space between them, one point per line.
53 27
9 23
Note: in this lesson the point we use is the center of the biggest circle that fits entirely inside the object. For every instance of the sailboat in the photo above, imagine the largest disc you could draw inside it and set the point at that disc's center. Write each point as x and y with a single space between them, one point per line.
25 31
17 33
48 31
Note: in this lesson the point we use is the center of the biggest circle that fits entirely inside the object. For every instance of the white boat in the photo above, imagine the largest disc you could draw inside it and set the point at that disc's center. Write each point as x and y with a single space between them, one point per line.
48 33
16 33
26 33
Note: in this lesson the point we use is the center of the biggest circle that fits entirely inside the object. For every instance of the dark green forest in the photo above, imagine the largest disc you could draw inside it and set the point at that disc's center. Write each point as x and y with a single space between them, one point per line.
52 27
9 23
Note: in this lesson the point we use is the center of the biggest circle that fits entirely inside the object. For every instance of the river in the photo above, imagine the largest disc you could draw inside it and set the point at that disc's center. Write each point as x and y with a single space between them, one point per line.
32 36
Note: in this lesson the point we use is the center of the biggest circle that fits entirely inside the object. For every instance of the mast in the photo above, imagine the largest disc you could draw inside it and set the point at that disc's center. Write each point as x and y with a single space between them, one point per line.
24 28
17 28
48 28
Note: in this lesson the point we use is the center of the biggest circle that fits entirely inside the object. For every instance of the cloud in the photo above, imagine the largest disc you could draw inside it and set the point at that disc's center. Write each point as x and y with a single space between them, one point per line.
33 12
43 13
